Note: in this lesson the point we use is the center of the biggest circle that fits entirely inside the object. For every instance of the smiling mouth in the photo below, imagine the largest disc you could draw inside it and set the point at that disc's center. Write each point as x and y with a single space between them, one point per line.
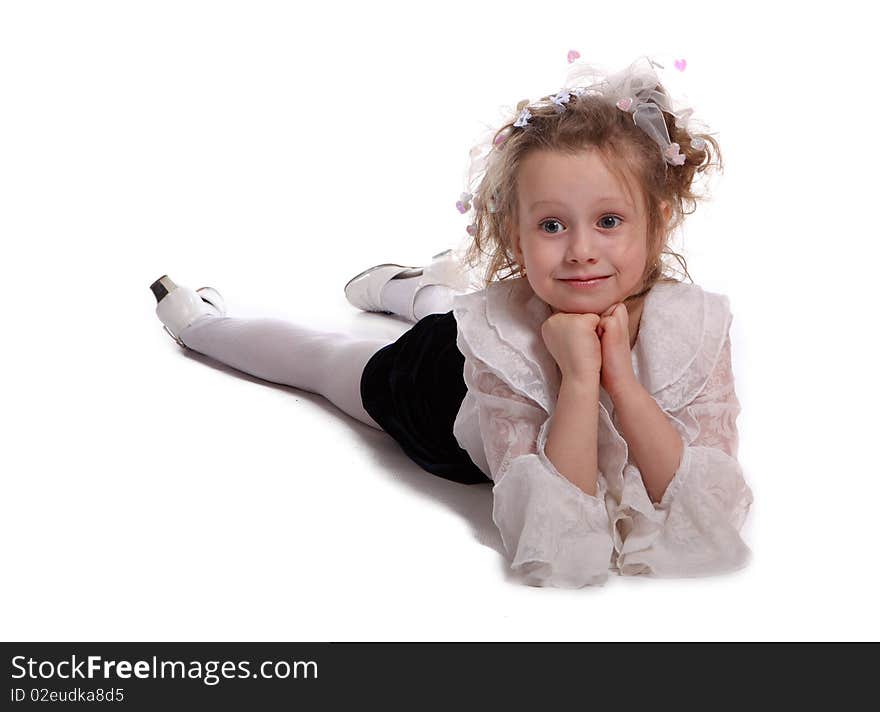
595 280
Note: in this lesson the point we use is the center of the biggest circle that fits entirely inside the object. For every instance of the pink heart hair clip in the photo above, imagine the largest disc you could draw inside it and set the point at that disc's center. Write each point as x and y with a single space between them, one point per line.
673 153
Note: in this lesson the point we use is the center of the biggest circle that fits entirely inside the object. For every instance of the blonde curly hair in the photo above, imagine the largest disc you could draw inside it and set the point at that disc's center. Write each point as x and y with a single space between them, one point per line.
588 121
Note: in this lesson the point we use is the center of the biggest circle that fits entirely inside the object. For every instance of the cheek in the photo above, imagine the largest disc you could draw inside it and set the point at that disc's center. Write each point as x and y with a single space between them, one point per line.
633 258
546 261
546 252
533 253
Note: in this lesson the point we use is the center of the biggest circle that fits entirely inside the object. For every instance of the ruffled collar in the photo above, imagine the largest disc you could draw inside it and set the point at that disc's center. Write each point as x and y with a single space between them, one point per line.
673 314
672 334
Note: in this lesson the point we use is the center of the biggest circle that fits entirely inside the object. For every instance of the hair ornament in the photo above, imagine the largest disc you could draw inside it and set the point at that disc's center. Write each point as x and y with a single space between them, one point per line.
463 203
682 118
673 154
637 88
633 90
524 114
561 99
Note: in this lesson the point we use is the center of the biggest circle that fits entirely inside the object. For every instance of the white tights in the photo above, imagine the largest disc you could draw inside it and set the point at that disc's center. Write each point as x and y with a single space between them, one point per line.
431 299
327 363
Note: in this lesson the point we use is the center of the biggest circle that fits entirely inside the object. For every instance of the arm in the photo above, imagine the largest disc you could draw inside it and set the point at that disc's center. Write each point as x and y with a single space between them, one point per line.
555 533
694 528
572 442
653 441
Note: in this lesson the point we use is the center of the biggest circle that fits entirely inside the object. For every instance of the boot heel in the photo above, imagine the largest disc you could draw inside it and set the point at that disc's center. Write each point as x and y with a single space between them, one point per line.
177 307
161 287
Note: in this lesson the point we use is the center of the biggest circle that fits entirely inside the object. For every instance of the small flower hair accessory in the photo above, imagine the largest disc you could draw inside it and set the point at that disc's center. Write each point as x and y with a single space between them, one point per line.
524 114
673 154
561 99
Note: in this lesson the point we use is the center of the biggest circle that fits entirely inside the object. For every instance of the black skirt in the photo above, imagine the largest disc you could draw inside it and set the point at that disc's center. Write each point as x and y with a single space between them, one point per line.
413 388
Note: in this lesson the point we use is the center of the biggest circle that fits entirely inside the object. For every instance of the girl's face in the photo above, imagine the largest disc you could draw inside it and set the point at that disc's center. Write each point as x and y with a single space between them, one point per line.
576 221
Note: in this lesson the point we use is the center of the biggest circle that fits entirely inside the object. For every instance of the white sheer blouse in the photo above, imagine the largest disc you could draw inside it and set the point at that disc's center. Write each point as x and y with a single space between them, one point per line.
554 532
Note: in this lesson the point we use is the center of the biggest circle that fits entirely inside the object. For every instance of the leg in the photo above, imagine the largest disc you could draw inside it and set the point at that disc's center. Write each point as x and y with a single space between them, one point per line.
397 295
329 364
412 292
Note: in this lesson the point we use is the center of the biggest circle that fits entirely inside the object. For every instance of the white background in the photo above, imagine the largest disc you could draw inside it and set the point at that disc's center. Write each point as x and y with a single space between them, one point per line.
273 150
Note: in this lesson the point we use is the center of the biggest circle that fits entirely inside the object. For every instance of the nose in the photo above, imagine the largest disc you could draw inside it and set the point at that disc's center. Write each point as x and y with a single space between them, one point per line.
583 246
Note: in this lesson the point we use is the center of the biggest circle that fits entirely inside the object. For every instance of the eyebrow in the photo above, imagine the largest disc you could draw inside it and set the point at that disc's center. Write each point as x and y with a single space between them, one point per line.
603 199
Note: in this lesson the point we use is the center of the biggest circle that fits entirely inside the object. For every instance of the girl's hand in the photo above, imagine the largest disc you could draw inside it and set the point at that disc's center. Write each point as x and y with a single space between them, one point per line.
613 331
572 341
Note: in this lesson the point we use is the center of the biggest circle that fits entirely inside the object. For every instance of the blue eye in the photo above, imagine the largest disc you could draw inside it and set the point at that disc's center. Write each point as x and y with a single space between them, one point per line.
552 220
605 217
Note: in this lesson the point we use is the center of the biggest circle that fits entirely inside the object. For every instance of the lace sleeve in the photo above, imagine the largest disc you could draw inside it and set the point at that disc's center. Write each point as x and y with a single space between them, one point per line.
554 532
694 529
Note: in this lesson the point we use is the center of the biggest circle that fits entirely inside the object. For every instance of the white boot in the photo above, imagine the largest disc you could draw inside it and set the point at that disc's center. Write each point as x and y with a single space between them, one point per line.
364 290
178 306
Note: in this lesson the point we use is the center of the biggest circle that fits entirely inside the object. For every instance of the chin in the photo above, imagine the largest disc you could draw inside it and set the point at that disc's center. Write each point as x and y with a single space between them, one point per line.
580 306
584 303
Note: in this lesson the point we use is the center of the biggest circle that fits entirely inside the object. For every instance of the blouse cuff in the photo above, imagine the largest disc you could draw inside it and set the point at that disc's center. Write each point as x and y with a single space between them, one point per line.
555 533
678 480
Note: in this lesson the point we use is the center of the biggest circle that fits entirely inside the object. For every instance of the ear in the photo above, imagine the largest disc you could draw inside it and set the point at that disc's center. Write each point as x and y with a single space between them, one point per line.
513 231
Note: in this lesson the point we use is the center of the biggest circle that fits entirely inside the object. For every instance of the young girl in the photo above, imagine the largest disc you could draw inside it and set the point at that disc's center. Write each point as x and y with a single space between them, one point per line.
592 388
